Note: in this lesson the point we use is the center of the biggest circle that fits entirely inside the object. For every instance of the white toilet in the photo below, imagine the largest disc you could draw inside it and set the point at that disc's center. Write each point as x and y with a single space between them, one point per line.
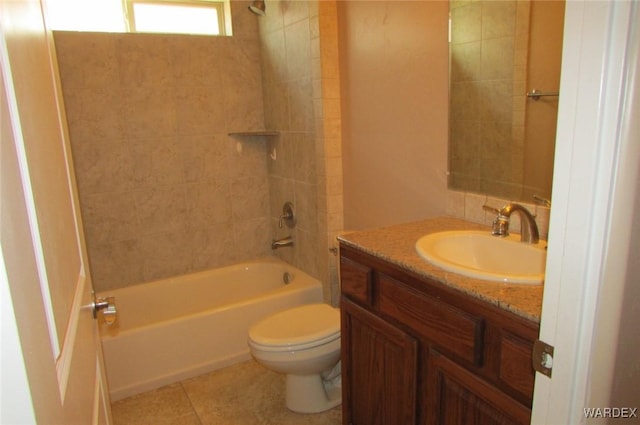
304 343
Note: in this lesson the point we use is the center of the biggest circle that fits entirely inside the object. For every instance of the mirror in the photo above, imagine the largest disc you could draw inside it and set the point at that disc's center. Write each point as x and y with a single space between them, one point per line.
501 131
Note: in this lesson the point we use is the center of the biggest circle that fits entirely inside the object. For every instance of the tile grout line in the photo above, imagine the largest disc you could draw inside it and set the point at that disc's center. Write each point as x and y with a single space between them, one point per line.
193 408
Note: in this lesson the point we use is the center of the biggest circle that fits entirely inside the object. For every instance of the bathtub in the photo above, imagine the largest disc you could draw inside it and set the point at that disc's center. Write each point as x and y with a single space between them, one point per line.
172 329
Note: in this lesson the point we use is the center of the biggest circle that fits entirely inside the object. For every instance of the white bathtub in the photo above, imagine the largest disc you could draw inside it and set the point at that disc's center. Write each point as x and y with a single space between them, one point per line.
177 328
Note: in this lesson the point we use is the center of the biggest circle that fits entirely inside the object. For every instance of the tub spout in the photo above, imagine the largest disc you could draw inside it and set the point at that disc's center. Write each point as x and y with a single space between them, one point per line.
288 241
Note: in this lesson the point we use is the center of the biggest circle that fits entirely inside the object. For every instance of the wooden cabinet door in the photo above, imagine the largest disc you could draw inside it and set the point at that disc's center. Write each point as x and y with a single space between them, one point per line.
379 366
458 397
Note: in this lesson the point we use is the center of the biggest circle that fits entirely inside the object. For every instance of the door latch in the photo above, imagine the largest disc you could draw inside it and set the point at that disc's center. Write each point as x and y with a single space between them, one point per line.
108 307
542 357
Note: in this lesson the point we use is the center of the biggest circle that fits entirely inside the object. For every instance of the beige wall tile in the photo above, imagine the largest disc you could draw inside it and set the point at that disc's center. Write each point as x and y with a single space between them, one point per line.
249 197
199 110
498 18
274 20
213 245
149 124
277 105
161 209
497 58
301 105
149 116
104 164
467 23
208 203
466 98
298 50
455 204
252 238
88 63
96 113
195 61
245 25
306 206
274 56
496 100
303 152
166 254
110 216
283 164
151 112
116 264
465 61
157 162
205 158
144 60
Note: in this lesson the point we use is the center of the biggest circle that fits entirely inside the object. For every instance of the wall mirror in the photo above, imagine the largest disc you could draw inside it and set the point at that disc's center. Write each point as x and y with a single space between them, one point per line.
504 77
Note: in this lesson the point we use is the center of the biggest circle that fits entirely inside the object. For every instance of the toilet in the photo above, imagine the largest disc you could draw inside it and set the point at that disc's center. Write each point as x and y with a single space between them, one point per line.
303 343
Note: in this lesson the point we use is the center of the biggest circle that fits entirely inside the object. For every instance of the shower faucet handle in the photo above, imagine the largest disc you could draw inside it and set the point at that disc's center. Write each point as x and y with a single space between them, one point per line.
287 216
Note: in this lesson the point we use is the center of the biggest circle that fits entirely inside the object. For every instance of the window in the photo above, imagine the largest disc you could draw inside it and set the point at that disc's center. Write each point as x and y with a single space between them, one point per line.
175 16
211 17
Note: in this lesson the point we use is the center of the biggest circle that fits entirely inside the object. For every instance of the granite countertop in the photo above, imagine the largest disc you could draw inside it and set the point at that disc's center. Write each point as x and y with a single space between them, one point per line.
396 244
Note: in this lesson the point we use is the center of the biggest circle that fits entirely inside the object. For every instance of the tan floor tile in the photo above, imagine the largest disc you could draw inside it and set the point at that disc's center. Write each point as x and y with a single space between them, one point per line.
165 406
242 394
248 394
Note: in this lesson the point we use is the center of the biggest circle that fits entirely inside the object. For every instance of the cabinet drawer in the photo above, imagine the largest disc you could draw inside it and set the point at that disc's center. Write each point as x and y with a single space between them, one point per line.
516 370
446 326
355 280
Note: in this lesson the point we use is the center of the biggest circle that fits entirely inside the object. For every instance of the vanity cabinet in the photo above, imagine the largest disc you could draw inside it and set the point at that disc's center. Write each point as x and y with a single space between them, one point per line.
415 351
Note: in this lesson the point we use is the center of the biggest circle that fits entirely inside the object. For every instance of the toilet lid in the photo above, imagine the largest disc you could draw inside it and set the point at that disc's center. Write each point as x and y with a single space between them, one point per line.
299 328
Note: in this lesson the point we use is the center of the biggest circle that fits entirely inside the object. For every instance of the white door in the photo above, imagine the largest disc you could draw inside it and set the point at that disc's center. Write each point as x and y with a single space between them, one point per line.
594 188
52 368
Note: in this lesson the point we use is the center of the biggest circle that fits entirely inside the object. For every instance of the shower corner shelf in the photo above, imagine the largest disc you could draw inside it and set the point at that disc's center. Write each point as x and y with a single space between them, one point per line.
255 133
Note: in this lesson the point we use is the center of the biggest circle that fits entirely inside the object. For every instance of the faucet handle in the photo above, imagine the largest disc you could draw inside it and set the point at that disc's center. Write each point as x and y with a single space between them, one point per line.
542 201
491 209
500 225
287 216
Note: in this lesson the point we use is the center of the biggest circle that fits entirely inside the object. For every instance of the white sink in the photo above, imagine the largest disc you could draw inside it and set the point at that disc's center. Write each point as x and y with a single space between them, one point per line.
481 255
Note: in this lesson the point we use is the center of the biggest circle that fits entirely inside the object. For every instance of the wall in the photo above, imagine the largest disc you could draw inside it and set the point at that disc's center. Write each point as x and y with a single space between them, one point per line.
302 102
395 103
543 73
163 189
394 76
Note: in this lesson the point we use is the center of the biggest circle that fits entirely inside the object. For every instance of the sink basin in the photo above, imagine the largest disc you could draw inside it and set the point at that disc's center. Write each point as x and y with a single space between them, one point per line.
481 255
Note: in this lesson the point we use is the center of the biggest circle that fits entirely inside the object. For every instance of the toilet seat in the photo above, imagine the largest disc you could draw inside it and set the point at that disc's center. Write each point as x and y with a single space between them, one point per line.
299 328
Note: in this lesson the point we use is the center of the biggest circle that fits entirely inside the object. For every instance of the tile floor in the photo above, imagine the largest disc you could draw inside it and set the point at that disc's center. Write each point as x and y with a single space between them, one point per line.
243 394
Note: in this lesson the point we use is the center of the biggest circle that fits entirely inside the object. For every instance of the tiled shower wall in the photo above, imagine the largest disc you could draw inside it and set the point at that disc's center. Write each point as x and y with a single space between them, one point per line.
302 102
163 189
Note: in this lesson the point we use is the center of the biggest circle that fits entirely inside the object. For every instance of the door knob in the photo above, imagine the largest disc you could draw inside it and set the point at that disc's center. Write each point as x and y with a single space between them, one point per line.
108 307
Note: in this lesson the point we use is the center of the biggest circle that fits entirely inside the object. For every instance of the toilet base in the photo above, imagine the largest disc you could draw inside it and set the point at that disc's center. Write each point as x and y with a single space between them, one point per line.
311 394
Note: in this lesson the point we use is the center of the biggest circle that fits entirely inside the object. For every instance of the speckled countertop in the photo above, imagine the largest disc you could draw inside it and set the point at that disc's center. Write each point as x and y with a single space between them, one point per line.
396 244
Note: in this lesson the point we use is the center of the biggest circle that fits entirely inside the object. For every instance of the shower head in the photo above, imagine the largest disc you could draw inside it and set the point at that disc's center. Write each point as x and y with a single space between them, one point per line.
258 7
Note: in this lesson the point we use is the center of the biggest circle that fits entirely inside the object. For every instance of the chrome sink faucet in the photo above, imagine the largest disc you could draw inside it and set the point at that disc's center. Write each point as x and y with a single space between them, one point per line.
528 227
